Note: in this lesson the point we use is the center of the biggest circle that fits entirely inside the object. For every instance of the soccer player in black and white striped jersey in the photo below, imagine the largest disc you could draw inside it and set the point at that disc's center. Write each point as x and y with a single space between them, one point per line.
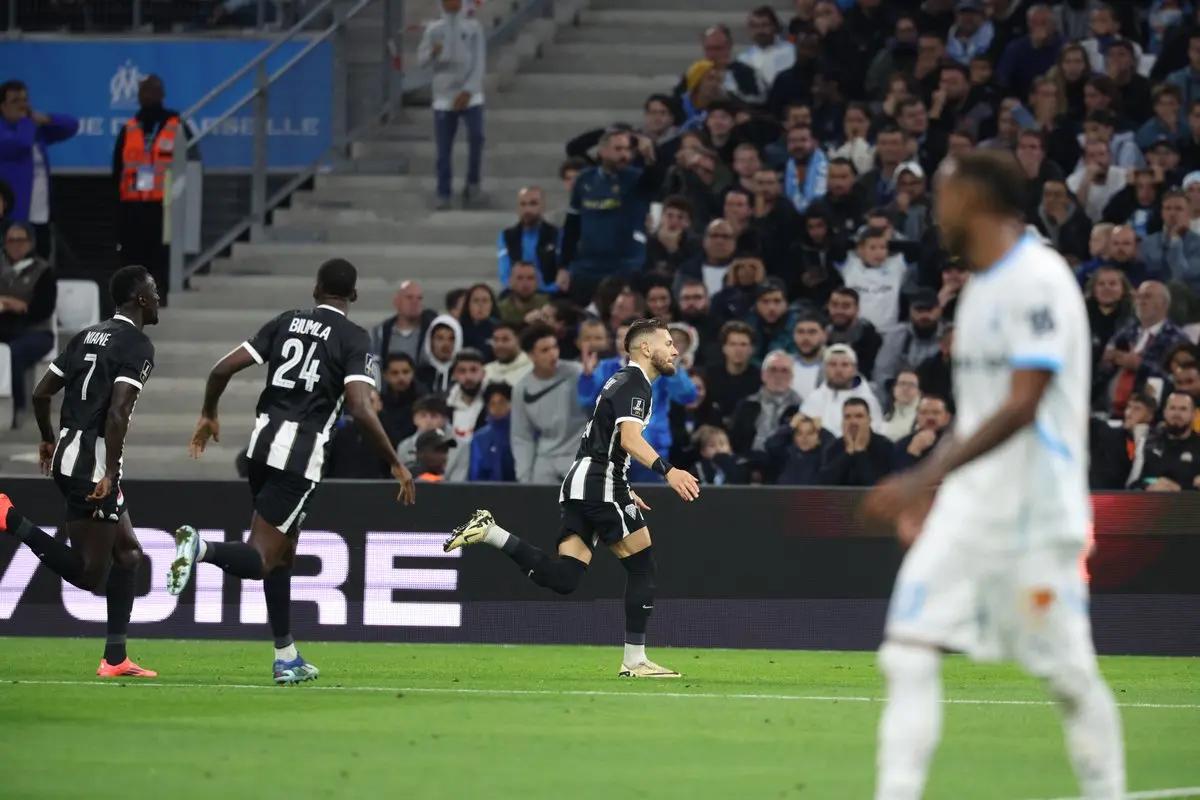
103 370
597 502
316 358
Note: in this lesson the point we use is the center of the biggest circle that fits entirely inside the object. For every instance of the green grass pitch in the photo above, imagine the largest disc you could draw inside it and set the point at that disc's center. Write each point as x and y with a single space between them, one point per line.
418 721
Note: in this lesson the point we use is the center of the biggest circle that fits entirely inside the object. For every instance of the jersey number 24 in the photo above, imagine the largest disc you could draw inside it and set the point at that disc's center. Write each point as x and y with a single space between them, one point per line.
293 354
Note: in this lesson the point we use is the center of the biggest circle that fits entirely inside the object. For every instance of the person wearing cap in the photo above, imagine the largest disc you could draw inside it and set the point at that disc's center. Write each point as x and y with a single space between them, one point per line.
432 456
842 382
1164 160
1096 180
877 276
769 318
429 413
757 417
971 34
1060 219
1137 205
1167 122
491 447
911 212
912 342
1173 254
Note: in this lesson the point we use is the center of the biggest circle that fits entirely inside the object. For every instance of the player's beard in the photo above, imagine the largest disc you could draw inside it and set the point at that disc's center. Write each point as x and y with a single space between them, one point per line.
1176 431
665 366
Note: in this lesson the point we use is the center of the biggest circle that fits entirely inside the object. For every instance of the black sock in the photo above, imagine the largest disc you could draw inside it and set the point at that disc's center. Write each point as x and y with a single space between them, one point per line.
236 558
639 594
562 574
277 587
119 595
53 553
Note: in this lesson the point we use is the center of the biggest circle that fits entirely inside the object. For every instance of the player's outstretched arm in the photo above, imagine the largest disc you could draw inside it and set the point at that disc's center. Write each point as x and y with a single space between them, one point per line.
218 378
50 385
358 403
632 442
116 425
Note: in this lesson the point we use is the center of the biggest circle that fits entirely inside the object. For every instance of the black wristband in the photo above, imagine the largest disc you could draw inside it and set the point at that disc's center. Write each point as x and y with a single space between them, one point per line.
661 467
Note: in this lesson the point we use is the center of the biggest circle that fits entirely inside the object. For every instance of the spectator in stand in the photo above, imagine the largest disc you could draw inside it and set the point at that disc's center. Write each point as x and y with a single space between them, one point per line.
1173 254
842 382
898 54
1105 29
1032 55
685 420
1063 223
1096 181
594 337
954 278
793 86
352 454
911 212
532 240
876 276
757 417
802 458
738 212
605 229
734 377
433 456
523 297
1137 205
912 342
901 416
775 221
1187 79
400 392
843 201
817 252
715 464
855 144
1187 380
746 163
406 331
659 303
673 242
1167 122
838 44
806 171
720 244
491 447
829 104
658 124
1102 126
770 318
870 21
455 48
1164 159
859 457
1134 355
1071 74
771 53
28 294
465 401
1109 306
739 79
933 420
736 300
972 33
546 418
1189 146
456 302
1031 155
510 362
478 319
1121 67
1122 255
430 413
1173 454
808 353
936 373
891 150
442 343
695 310
1098 250
847 327
913 118
1191 187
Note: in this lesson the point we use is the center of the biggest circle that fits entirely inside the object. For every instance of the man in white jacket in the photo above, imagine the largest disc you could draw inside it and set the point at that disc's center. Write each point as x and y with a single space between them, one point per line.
455 47
842 382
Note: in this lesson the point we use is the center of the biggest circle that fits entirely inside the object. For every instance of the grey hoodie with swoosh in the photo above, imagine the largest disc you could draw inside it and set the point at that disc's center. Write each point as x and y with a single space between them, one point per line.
546 424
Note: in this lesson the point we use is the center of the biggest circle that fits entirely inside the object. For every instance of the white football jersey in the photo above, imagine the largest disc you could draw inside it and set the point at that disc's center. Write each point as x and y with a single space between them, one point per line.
1025 311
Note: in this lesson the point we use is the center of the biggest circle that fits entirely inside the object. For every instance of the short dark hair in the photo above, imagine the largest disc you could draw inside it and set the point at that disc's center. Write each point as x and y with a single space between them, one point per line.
846 291
692 281
337 277
997 178
11 86
468 355
841 161
1146 399
126 282
659 98
394 357
508 326
431 404
1173 194
453 296
680 203
640 328
1123 44
534 334
856 401
766 12
735 326
809 316
500 388
954 66
888 127
576 163
735 189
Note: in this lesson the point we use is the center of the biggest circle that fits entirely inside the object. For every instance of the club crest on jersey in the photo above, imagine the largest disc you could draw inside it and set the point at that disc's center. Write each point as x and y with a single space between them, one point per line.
639 408
1041 320
144 374
631 511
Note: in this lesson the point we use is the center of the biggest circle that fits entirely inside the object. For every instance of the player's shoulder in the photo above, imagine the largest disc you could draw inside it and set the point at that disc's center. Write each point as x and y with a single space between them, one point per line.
1033 268
131 336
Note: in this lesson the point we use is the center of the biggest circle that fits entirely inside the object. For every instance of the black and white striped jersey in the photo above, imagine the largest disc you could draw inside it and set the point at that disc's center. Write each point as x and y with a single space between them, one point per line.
601 469
93 362
311 354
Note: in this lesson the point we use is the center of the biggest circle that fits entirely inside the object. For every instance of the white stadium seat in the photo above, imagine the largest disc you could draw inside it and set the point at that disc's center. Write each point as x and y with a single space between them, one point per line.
78 305
5 371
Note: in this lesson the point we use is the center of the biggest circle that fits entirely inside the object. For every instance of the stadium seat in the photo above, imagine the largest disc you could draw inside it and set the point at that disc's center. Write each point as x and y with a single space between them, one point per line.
78 305
5 371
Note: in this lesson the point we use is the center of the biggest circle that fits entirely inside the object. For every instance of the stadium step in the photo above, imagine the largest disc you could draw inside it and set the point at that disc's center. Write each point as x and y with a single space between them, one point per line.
634 59
362 225
389 261
519 124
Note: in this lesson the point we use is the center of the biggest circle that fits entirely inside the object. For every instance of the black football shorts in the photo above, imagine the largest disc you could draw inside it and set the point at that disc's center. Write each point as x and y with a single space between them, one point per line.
76 490
596 522
280 497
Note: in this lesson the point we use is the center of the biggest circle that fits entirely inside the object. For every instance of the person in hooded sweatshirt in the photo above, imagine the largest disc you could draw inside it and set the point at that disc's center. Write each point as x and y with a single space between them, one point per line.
546 418
442 342
842 381
465 400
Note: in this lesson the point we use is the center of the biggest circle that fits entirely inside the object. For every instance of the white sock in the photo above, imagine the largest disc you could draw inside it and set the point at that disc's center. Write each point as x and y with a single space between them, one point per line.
634 654
1093 732
497 537
912 720
202 551
286 653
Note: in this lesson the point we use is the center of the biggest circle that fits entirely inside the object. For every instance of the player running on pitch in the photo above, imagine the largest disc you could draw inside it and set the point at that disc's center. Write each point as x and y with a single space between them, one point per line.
597 503
994 570
315 358
103 370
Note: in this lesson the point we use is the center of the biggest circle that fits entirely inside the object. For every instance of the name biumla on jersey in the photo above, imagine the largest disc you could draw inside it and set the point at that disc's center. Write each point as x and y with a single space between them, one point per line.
601 469
92 364
311 355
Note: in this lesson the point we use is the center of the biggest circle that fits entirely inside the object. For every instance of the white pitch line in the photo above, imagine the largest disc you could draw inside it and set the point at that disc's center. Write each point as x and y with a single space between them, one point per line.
1154 794
451 690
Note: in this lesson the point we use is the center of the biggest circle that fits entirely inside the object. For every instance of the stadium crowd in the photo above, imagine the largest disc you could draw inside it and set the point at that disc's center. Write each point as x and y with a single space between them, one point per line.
775 206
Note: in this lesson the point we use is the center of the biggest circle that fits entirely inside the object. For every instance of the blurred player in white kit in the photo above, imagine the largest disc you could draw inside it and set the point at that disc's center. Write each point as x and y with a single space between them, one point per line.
994 567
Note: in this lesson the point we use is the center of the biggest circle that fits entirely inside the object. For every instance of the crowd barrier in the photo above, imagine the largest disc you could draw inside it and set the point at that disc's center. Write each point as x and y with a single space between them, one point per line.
749 567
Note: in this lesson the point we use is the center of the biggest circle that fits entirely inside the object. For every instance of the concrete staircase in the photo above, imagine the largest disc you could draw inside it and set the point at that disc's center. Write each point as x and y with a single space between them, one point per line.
586 68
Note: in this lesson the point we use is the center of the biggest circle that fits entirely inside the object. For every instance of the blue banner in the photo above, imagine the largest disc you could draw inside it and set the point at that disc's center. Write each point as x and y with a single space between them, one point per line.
96 82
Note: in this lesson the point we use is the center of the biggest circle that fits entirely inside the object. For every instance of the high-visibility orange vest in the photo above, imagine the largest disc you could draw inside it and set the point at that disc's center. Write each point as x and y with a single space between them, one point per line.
136 156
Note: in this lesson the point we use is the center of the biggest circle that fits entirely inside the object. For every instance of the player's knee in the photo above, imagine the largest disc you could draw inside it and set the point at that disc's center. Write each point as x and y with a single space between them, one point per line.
129 558
94 575
563 576
1068 685
641 576
903 661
